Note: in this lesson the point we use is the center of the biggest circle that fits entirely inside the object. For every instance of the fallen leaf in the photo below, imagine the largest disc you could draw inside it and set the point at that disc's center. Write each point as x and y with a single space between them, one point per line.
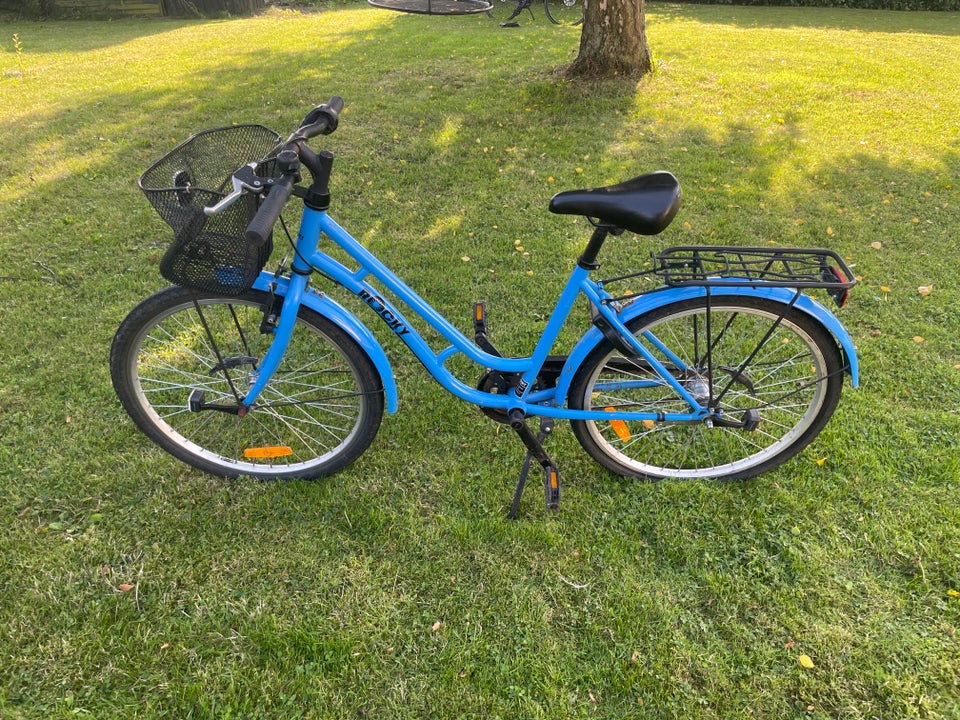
876 245
124 587
829 231
436 626
925 290
821 461
953 593
466 258
917 339
884 288
805 661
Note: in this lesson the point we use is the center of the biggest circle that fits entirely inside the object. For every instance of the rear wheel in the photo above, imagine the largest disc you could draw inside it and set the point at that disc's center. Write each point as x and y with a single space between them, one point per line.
771 374
183 357
564 12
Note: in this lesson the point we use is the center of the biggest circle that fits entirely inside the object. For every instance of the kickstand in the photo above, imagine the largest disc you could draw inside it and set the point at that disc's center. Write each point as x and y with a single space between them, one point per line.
533 443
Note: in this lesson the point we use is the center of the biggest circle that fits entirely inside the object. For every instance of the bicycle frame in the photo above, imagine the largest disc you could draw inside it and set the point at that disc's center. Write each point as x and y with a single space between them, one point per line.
547 402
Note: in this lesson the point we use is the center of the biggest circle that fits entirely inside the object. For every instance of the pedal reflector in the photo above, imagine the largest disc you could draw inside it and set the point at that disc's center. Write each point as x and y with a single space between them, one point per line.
265 453
619 427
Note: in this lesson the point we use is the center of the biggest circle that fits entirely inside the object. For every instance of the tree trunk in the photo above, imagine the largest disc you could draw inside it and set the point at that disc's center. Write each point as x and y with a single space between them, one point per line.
613 41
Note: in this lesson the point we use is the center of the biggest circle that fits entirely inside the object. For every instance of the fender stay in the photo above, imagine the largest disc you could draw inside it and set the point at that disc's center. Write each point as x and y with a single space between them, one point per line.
653 300
345 320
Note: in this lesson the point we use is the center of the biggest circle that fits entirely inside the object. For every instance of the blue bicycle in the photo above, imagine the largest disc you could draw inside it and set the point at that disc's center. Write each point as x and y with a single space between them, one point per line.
708 362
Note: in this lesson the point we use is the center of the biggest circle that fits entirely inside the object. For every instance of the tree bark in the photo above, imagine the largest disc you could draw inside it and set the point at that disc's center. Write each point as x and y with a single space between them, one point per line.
613 41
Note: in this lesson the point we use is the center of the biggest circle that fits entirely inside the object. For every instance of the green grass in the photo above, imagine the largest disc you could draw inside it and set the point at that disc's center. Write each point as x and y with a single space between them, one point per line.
397 588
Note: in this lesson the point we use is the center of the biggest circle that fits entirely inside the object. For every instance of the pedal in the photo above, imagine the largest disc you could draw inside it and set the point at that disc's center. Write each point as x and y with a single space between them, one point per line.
480 318
551 487
480 334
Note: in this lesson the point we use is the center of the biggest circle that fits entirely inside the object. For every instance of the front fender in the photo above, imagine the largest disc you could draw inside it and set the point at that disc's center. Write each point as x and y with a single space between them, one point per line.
345 320
653 300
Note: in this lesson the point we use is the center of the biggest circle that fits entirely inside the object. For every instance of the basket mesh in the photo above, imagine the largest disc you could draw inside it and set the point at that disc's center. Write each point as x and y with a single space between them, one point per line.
210 252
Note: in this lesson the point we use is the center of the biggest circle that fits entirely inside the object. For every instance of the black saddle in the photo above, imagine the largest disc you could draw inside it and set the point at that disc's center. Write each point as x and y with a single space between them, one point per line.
644 205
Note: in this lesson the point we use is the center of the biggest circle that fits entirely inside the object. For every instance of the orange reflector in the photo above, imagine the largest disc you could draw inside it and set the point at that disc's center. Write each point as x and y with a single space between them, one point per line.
271 451
619 427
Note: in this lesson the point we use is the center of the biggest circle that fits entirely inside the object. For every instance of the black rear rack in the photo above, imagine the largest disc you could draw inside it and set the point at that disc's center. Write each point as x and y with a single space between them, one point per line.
716 266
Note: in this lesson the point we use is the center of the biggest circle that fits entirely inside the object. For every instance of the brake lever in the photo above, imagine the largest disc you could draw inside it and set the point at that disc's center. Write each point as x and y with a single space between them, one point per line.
244 180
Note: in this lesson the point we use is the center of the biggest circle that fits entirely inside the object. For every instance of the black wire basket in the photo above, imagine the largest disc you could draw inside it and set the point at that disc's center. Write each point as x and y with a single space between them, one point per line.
210 252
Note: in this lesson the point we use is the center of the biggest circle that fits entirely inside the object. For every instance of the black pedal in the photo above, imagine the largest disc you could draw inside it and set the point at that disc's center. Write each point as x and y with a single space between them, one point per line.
480 318
551 487
480 329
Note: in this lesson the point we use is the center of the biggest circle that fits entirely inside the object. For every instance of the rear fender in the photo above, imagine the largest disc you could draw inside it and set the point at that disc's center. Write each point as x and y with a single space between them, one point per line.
346 321
651 301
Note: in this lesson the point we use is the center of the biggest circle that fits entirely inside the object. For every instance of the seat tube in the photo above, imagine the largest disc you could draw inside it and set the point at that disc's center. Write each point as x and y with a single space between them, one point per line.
552 330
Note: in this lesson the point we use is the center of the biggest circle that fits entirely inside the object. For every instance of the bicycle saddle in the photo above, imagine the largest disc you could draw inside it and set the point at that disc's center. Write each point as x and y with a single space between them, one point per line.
644 205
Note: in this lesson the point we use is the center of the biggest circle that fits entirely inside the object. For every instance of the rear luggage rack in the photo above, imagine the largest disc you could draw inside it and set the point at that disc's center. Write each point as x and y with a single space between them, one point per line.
720 266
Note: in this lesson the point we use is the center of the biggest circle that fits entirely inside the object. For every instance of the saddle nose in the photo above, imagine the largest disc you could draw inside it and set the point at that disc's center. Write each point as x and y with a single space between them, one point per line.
644 205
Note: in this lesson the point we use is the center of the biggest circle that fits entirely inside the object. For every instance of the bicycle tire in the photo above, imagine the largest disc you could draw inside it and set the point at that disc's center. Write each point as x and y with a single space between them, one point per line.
319 413
792 383
564 12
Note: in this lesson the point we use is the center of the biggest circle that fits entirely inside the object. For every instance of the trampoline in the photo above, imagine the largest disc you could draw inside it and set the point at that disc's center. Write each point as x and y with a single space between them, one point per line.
434 7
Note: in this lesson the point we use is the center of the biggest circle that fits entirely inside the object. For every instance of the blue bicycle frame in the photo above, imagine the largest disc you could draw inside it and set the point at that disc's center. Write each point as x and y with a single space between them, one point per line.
548 402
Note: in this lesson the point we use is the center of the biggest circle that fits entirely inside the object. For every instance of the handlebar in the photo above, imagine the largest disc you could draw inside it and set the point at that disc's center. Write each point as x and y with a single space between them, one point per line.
322 120
262 224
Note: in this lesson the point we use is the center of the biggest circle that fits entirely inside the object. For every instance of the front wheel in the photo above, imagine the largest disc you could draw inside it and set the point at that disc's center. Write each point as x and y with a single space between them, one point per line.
771 374
564 12
182 359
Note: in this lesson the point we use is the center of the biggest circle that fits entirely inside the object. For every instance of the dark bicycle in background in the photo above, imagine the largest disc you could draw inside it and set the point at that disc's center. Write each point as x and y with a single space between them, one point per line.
559 12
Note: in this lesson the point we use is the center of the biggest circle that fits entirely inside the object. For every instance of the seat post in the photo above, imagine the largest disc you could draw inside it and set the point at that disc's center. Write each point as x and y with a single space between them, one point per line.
588 260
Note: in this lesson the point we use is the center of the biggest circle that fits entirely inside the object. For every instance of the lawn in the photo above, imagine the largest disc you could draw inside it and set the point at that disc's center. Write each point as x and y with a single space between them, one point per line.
135 587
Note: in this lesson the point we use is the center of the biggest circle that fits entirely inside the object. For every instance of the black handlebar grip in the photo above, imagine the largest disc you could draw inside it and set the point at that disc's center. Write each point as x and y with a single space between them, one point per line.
262 224
322 120
336 104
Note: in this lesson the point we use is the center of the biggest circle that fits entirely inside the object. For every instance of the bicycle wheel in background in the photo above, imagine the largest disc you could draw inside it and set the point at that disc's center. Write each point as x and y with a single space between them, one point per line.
564 12
781 378
181 353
